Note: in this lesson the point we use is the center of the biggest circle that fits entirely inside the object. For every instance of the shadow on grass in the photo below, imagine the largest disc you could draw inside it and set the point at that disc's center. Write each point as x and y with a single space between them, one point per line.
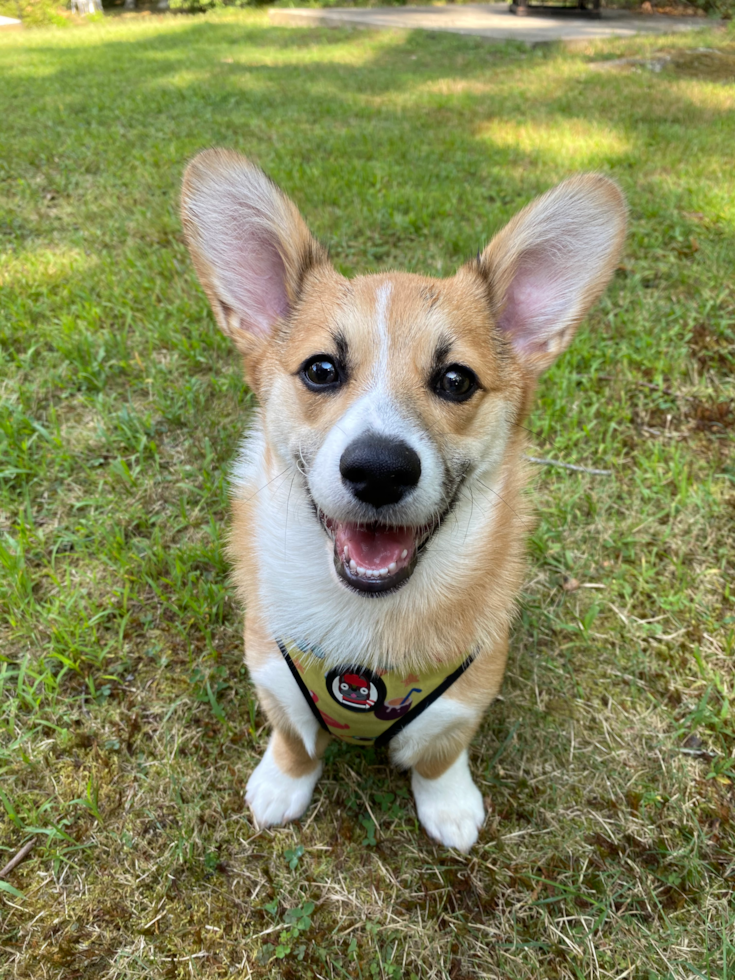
416 147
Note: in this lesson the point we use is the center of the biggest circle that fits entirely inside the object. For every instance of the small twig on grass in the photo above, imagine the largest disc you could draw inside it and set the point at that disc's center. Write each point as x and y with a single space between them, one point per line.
567 466
20 856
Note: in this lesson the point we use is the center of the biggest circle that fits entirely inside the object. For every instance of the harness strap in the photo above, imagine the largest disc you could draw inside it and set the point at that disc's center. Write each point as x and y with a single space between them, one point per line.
401 723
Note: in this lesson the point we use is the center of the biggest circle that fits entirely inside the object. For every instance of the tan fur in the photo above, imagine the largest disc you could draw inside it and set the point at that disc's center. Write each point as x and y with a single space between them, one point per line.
476 688
465 312
290 755
436 760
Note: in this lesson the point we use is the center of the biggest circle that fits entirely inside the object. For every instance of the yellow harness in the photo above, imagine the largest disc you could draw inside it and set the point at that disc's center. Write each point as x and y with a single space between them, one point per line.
361 705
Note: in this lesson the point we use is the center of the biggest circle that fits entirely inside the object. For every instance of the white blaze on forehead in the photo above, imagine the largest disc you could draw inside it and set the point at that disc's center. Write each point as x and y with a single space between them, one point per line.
377 412
381 323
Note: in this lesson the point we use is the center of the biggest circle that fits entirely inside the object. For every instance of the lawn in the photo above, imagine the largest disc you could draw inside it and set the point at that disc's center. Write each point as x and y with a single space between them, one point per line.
128 726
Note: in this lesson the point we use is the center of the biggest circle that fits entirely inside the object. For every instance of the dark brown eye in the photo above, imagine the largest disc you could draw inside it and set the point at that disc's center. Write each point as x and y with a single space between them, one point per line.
456 383
320 372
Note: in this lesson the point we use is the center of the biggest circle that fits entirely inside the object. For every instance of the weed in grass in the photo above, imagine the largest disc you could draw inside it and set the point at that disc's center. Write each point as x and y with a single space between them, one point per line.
128 726
293 855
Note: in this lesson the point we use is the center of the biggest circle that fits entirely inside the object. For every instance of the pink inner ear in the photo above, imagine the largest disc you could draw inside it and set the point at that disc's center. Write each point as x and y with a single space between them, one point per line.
252 278
537 300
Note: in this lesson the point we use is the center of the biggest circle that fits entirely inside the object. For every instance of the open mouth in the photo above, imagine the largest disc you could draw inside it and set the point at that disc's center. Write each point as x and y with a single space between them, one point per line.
375 558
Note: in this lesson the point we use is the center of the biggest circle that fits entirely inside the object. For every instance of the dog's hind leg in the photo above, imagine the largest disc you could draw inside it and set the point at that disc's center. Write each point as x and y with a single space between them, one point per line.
282 784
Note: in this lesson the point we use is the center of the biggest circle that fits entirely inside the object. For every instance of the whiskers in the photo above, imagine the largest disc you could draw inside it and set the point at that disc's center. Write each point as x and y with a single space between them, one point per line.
535 436
301 463
466 490
288 501
266 485
278 483
525 524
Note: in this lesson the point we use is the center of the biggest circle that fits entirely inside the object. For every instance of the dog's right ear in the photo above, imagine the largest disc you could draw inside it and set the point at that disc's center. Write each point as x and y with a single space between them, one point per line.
250 246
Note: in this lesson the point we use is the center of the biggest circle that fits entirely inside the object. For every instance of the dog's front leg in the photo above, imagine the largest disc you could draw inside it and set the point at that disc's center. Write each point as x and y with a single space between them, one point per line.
449 804
281 786
434 747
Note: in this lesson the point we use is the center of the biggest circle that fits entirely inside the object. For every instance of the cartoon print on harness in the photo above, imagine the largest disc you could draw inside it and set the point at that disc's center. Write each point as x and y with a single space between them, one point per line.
356 688
397 707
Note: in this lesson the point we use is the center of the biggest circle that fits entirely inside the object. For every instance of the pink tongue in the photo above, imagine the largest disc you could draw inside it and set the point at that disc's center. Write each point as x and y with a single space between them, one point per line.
377 547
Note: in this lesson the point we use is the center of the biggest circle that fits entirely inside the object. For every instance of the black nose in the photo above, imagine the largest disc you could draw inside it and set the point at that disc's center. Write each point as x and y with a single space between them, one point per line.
379 470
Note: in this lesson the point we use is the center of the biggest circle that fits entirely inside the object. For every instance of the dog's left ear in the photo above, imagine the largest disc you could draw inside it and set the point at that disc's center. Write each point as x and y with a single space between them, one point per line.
250 246
551 262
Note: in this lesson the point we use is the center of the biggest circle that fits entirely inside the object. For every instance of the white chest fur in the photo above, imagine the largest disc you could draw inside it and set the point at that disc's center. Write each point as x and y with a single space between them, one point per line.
299 590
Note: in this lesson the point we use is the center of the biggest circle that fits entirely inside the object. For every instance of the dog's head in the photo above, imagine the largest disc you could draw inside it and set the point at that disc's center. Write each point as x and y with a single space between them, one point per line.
389 392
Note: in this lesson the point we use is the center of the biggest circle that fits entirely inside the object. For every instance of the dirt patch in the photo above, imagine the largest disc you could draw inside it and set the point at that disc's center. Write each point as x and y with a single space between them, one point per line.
710 350
691 415
708 64
712 416
672 10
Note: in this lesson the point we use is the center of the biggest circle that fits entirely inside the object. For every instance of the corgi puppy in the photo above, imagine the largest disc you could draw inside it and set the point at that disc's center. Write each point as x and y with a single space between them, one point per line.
379 517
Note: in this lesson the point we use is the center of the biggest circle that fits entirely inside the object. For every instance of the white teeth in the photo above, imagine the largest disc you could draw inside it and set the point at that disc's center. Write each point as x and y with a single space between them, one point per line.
346 553
371 572
404 553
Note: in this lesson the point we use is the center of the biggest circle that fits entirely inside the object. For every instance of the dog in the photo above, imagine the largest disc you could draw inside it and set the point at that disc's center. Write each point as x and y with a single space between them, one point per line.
379 519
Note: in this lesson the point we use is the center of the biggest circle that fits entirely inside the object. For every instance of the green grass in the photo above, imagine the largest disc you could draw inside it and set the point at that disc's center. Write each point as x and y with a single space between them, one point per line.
128 726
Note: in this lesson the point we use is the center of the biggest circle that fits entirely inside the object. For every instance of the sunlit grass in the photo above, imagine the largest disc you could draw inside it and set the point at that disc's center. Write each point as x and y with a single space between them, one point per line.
572 143
127 723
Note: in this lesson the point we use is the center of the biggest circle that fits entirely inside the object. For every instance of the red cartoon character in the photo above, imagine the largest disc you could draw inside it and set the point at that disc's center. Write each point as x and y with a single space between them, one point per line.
355 688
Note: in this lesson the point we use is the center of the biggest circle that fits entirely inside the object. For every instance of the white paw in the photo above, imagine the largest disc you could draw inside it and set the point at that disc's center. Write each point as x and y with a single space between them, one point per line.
450 808
275 798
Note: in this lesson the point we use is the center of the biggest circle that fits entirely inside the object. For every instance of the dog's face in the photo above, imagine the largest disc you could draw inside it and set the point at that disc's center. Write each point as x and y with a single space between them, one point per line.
390 393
